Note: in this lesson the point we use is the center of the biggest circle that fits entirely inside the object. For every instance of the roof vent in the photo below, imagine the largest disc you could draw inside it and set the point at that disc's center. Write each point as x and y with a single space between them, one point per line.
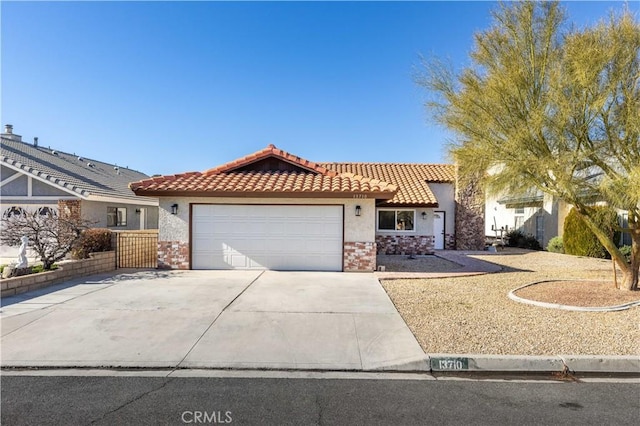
8 133
35 141
80 159
90 165
54 153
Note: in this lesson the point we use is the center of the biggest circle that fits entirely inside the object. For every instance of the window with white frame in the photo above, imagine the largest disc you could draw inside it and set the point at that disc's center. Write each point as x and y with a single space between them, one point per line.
396 220
116 216
518 214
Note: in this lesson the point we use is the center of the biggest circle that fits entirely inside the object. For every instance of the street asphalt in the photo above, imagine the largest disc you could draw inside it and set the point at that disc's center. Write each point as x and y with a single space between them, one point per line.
325 321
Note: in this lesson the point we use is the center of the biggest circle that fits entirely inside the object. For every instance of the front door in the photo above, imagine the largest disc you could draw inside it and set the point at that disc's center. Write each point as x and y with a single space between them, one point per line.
438 230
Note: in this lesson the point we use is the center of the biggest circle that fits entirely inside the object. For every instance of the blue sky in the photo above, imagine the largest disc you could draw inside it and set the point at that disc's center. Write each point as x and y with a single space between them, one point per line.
167 87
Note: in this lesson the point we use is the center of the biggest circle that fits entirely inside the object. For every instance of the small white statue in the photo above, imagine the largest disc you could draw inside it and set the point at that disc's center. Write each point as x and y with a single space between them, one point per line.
22 254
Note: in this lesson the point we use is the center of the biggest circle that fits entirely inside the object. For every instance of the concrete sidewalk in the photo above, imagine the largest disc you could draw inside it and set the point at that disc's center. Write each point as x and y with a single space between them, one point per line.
209 319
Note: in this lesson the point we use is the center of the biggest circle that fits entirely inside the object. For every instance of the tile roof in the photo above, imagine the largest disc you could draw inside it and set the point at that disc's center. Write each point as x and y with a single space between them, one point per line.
411 179
398 184
272 151
263 183
82 176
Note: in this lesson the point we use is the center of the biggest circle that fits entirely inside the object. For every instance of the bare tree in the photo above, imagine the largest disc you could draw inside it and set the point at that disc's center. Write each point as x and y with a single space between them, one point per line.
50 236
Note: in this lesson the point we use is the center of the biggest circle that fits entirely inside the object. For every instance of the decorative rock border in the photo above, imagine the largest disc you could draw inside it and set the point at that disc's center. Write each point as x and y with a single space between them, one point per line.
513 297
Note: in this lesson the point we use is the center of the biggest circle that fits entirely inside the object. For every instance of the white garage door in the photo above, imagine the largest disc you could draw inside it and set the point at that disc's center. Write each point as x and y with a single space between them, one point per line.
305 238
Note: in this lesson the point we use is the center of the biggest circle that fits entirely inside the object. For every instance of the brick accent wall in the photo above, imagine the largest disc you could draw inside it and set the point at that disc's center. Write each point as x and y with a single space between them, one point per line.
469 212
449 242
69 209
96 264
359 257
404 244
173 255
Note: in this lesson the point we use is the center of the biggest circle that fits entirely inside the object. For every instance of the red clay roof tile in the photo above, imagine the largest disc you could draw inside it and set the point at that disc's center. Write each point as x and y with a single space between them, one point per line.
399 184
412 179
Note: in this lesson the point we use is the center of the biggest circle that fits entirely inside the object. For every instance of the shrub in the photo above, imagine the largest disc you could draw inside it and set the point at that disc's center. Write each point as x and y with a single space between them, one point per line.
92 241
556 245
626 252
519 239
36 269
578 238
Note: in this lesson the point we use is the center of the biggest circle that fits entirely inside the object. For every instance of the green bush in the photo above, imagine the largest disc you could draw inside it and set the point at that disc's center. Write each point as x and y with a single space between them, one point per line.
519 239
92 241
578 238
556 245
36 269
626 252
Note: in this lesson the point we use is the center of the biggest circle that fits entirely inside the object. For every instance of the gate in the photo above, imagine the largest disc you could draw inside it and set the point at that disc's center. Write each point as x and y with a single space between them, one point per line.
137 249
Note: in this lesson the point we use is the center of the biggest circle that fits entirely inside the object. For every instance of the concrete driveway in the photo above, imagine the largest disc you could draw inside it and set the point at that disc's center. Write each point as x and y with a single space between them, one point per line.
210 319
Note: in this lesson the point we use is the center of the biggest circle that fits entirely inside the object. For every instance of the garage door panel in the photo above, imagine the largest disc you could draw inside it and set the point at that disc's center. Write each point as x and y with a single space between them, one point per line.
267 237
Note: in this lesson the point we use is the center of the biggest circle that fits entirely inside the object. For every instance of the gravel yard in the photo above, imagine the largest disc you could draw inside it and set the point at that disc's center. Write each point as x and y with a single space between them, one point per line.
402 263
474 315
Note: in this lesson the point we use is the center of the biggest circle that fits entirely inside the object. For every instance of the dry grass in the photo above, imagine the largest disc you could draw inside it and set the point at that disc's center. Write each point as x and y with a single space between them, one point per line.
474 314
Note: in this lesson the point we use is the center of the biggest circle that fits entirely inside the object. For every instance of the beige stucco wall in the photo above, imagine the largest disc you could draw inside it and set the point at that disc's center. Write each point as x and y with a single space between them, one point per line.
445 194
356 228
96 212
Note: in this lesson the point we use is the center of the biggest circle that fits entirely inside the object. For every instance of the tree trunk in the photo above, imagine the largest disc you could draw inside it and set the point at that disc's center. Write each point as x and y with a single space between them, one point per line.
630 276
629 271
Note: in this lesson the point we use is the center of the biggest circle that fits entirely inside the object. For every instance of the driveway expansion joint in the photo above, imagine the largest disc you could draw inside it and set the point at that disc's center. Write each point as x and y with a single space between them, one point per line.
216 318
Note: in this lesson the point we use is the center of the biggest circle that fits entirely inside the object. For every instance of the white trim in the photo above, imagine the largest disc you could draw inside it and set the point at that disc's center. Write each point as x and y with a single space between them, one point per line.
45 198
403 231
143 201
12 178
48 182
29 186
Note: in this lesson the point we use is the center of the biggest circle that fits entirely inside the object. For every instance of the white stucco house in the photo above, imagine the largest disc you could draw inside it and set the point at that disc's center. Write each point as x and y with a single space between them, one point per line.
274 210
540 215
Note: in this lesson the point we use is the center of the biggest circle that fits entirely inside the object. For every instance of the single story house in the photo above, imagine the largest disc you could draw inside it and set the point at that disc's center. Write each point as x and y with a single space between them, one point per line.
274 210
45 180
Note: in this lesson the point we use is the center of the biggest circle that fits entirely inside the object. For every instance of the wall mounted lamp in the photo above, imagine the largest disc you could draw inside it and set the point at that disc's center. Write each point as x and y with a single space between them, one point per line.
358 210
138 211
174 209
424 215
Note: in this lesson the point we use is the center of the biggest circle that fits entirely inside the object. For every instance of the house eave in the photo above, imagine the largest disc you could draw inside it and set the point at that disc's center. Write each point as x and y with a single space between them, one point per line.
270 194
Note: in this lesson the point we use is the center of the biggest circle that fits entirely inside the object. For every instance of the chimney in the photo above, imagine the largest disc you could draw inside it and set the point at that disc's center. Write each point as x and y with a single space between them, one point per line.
35 141
8 133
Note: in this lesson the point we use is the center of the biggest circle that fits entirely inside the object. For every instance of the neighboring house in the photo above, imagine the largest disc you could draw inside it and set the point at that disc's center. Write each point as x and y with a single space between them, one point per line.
540 215
274 210
36 178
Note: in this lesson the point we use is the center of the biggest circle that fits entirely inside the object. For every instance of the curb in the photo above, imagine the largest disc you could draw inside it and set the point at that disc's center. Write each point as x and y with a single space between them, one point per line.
614 308
432 363
474 363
